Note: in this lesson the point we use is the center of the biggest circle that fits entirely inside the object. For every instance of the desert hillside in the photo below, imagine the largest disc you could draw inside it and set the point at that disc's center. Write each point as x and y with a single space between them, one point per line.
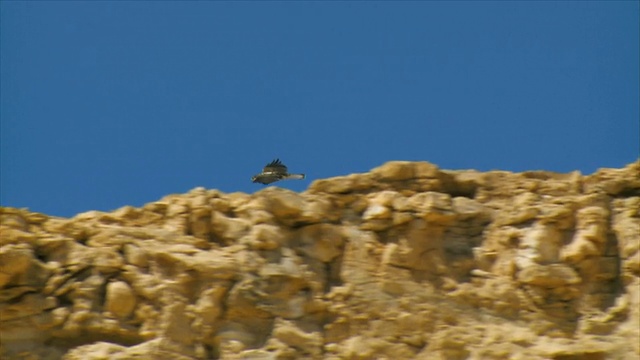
407 261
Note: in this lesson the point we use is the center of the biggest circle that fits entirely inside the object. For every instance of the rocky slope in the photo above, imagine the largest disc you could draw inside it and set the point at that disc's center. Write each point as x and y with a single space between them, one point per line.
404 262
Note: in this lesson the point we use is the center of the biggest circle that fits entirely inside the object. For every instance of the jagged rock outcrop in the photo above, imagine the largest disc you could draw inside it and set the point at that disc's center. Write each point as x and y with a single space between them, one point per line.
404 262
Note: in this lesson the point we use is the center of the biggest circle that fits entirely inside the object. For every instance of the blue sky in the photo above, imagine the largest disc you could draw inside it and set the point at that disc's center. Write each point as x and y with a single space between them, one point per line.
110 103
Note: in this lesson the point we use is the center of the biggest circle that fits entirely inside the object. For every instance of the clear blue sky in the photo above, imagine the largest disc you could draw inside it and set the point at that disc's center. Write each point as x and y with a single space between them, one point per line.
111 103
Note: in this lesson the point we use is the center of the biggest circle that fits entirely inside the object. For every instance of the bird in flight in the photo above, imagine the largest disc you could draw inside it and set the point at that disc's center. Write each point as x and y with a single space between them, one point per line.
274 171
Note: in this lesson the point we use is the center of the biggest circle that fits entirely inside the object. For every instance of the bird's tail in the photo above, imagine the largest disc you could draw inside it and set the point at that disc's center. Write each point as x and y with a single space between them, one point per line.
295 176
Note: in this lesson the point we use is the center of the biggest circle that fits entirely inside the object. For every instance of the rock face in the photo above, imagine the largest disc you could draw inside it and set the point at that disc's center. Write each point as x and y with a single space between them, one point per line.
404 262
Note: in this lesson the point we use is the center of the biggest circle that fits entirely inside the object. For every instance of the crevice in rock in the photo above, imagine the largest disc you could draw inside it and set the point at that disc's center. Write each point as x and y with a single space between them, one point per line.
88 337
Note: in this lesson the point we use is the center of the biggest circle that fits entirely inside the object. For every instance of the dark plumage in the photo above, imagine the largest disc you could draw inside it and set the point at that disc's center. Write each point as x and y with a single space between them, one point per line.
274 171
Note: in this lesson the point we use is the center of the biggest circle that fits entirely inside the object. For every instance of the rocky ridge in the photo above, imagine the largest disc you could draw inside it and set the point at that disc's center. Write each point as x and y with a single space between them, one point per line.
407 261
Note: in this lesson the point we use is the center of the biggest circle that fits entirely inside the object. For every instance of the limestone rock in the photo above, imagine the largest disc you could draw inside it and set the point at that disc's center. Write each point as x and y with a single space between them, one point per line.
285 205
353 183
549 276
307 344
227 229
323 242
406 261
120 299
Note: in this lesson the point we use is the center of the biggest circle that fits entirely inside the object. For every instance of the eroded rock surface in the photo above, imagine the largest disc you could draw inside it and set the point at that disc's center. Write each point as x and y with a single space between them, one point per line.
404 262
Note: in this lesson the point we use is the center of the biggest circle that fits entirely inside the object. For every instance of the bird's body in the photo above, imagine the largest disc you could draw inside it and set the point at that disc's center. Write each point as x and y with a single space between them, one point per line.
274 171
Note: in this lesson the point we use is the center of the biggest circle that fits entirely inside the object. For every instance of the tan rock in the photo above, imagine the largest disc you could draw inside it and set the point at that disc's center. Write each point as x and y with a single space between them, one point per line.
14 260
254 211
404 262
97 351
431 206
377 212
29 304
10 235
343 184
615 181
120 300
590 238
108 261
466 208
540 245
14 219
136 256
285 205
200 222
626 222
267 237
549 275
309 344
405 170
318 210
323 242
228 230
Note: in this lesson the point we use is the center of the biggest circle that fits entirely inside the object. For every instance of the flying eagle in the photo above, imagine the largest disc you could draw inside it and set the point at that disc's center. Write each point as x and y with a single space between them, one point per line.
274 171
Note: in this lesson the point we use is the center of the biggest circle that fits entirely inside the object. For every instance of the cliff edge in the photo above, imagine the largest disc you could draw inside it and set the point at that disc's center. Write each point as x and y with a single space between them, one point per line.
407 261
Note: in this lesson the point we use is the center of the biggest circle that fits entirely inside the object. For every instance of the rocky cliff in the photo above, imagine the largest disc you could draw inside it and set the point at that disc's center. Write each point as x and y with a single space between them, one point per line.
406 261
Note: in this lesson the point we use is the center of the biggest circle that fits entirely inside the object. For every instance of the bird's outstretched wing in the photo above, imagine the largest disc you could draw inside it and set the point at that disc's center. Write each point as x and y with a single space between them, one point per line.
276 166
